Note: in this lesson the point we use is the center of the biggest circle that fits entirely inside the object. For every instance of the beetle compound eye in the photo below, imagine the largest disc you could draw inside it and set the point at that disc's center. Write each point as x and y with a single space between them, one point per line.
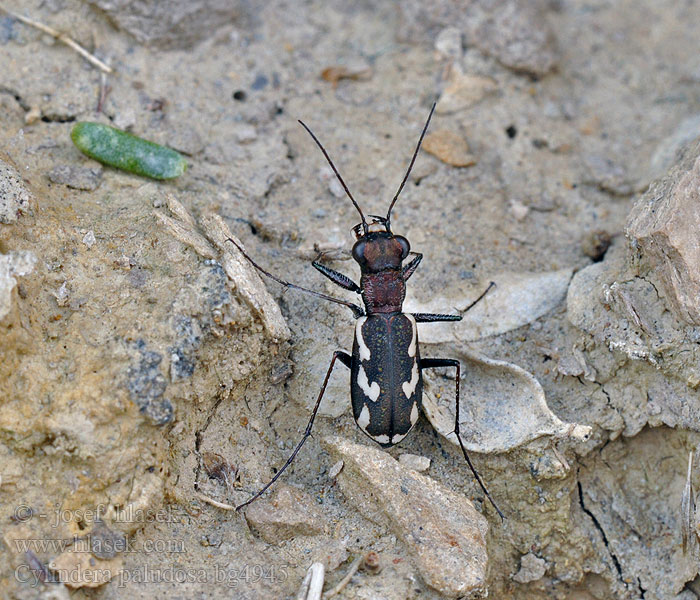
358 251
405 246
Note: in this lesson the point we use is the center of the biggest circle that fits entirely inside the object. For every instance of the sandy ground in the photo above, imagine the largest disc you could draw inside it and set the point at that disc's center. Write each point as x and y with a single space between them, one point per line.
131 362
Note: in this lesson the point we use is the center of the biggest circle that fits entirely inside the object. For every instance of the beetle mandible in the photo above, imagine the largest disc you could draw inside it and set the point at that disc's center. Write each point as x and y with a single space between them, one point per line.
386 383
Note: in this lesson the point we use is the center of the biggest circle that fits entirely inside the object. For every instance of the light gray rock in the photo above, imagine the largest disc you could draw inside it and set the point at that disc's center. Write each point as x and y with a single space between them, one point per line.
443 532
14 196
172 23
532 568
12 265
289 512
663 228
78 178
517 34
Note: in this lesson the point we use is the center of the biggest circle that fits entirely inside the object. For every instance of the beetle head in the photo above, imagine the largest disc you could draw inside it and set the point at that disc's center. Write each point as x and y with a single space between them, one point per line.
378 249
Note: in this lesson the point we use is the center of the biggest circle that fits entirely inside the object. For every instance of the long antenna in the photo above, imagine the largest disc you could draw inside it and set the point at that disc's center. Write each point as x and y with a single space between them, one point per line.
345 187
415 155
356 310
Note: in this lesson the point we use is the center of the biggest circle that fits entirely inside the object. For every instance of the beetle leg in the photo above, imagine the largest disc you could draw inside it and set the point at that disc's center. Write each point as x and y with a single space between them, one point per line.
409 269
344 358
356 310
486 291
432 318
338 278
429 363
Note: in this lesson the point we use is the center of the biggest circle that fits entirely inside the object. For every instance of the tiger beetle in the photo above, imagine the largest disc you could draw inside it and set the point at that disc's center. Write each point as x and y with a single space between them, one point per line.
386 383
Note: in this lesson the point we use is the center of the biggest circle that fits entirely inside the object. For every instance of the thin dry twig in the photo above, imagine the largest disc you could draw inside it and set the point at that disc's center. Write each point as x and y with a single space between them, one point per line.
345 580
687 508
312 586
213 502
61 37
105 88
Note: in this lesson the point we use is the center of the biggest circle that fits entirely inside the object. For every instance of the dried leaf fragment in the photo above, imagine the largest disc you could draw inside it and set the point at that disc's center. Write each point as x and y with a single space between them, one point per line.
464 91
336 73
449 147
502 406
516 300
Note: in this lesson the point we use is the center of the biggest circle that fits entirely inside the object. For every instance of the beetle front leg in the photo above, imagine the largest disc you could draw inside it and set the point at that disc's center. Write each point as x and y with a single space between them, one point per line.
410 268
344 358
336 277
430 363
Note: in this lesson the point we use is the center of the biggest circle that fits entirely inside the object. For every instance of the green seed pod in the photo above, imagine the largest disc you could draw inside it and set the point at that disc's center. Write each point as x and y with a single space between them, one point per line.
125 151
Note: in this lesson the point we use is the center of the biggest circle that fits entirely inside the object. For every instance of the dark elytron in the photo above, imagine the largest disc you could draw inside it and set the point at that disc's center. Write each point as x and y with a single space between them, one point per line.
386 380
386 384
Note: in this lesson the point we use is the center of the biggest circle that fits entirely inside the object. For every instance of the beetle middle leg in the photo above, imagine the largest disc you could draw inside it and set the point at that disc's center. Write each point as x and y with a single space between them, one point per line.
344 358
430 363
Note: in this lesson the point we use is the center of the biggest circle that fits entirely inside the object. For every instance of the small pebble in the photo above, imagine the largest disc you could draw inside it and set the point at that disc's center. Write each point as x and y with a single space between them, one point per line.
260 82
335 470
518 209
336 189
372 563
326 175
532 568
33 115
596 244
449 42
62 295
89 239
125 119
245 134
415 462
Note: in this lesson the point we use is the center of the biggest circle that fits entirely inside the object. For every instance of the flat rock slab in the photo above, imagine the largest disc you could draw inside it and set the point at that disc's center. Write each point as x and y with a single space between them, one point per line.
443 532
78 178
289 512
663 230
14 196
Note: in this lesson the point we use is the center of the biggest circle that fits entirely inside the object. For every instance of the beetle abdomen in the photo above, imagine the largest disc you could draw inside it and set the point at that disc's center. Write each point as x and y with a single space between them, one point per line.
386 382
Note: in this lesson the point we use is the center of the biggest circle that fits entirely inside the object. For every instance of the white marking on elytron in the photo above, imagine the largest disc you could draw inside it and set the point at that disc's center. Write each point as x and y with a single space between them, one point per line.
365 354
363 419
409 387
381 439
371 391
398 437
414 338
414 413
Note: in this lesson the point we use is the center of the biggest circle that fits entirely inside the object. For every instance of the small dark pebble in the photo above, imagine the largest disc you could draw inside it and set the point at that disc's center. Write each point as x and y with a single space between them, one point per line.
281 372
596 244
239 95
260 82
6 33
372 564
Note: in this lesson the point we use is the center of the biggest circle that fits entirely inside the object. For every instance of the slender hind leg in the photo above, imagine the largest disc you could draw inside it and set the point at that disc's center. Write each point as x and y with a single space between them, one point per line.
429 363
344 358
